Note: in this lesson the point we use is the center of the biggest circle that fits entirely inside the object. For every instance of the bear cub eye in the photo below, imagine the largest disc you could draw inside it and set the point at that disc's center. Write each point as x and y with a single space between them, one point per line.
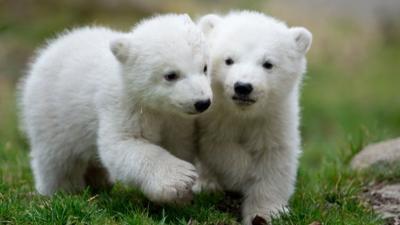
267 65
229 61
205 69
172 76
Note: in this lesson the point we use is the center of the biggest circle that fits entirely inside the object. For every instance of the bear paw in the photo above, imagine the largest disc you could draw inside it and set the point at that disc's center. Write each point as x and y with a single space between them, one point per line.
171 181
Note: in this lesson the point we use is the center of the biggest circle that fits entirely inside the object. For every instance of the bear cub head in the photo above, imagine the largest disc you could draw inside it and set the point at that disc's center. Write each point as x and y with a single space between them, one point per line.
164 65
255 60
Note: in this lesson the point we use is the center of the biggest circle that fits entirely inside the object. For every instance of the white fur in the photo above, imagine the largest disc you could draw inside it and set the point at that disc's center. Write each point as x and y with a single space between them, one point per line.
253 148
97 96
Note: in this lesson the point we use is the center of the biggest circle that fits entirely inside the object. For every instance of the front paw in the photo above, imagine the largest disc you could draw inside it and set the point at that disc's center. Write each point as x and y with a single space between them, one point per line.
171 181
264 217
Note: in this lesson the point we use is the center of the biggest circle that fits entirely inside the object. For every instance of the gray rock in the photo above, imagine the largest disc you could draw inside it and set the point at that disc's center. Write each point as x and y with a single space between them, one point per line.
384 152
385 200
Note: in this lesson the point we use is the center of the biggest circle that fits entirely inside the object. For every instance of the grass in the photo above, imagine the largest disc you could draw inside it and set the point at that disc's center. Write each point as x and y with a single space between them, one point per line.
345 107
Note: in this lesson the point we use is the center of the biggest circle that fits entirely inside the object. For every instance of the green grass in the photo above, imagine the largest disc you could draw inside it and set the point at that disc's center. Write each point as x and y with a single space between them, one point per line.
344 108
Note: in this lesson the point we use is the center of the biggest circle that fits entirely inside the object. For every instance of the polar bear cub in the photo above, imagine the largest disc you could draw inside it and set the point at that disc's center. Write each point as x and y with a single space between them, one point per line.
249 139
120 103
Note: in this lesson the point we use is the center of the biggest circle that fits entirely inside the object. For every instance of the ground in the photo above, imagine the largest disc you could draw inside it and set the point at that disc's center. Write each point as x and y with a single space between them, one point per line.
350 99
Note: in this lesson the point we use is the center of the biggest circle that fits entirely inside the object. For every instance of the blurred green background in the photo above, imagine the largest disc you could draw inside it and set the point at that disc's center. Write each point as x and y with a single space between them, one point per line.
351 93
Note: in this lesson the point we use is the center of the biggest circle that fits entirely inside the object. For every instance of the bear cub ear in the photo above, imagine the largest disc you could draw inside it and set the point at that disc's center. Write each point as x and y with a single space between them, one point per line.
120 48
302 38
208 22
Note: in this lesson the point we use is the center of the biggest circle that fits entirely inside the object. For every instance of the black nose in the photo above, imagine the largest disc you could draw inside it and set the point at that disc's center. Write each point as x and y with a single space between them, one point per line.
202 105
243 88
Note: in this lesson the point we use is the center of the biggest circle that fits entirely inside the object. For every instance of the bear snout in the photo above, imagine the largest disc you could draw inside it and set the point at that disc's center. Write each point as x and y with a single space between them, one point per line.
243 93
202 105
243 89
